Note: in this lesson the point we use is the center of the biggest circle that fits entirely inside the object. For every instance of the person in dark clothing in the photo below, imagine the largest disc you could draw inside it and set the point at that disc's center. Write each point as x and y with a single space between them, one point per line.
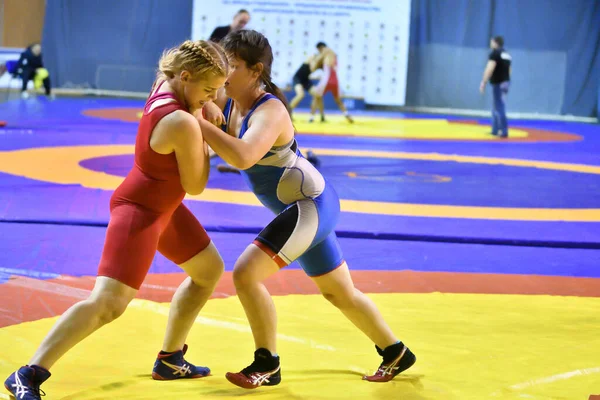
301 80
240 20
31 67
497 72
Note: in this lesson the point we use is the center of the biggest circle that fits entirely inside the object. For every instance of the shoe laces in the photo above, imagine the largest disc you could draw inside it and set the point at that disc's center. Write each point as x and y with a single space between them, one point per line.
254 367
35 388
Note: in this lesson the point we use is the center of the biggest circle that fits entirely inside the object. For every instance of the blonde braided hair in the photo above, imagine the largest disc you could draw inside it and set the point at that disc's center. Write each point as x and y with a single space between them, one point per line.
197 57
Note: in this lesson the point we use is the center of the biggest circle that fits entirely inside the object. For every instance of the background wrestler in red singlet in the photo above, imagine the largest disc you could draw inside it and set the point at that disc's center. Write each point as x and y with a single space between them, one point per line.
327 59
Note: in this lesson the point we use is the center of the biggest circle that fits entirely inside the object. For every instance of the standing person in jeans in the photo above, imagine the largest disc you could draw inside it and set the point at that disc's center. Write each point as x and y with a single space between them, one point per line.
497 72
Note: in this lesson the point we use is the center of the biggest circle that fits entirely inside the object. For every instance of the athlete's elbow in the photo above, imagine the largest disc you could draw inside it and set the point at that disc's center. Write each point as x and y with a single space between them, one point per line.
243 161
241 164
194 191
194 188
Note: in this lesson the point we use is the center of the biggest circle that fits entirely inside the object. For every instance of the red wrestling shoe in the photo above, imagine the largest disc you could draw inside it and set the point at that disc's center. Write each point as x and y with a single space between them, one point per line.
396 358
264 371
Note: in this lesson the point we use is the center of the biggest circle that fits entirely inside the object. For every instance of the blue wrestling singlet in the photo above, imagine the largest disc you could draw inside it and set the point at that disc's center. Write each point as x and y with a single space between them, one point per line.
307 207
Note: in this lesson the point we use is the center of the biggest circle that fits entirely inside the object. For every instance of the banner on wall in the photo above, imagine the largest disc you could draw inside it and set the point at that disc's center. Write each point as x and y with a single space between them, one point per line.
370 37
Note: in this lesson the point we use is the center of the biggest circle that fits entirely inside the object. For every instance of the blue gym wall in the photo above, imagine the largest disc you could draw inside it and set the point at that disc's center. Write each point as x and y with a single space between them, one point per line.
555 45
111 44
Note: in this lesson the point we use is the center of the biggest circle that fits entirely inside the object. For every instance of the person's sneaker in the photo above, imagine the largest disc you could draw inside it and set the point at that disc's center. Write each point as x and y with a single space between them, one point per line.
227 168
312 158
396 358
264 371
169 366
24 384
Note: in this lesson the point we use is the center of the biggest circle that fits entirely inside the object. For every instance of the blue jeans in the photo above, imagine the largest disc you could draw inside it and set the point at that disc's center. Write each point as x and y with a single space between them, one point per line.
499 121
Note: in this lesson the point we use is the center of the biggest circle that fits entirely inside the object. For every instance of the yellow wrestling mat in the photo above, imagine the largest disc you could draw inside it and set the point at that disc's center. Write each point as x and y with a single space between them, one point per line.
366 126
467 347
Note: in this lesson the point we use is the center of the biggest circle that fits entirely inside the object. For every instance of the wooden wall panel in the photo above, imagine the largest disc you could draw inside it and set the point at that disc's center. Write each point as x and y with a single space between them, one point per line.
22 22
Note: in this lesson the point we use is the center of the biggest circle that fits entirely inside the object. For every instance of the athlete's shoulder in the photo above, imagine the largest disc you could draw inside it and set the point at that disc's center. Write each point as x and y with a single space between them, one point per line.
180 120
273 105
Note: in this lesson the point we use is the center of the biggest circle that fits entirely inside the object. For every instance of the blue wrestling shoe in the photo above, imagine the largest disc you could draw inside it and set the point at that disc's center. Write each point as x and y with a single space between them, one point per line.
169 366
24 384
